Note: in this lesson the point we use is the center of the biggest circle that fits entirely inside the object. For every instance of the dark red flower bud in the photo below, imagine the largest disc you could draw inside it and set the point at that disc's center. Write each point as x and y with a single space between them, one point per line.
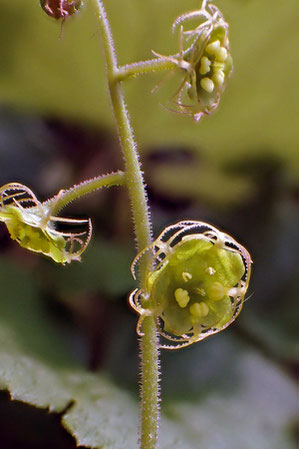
60 9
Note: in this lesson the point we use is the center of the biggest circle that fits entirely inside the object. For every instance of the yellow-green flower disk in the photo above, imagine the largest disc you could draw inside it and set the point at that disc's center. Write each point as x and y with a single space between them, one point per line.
198 284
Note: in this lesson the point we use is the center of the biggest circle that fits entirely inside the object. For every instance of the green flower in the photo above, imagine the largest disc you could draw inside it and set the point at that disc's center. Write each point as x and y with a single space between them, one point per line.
198 284
205 65
32 225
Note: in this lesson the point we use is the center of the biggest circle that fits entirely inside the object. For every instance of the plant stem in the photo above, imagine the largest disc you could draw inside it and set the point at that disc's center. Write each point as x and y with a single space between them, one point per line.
144 67
142 225
152 65
65 197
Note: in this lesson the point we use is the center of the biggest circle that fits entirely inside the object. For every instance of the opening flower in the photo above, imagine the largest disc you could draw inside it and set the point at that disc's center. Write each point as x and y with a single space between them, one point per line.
197 284
205 64
32 225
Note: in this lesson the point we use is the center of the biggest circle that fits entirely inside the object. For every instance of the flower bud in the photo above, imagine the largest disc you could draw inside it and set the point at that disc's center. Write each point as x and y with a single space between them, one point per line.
205 65
60 9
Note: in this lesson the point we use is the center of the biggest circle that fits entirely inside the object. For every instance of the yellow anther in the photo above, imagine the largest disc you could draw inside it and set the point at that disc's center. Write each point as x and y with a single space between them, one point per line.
205 64
186 276
213 47
221 54
207 84
182 297
216 291
199 309
218 66
218 78
210 271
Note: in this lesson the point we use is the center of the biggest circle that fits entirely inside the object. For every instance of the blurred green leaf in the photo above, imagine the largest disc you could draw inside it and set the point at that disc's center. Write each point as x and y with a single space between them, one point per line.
254 414
31 349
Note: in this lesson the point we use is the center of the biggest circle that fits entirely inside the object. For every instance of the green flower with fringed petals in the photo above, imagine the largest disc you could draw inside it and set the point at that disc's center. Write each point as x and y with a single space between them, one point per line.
197 285
32 225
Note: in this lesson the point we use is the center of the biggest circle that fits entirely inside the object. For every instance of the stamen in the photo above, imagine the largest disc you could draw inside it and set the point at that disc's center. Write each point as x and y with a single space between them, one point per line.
218 78
182 297
207 84
213 47
221 54
216 291
210 271
200 291
199 309
186 276
205 64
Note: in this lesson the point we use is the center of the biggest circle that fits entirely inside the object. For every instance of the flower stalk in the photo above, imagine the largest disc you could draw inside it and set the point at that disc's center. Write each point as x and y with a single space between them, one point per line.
143 67
65 197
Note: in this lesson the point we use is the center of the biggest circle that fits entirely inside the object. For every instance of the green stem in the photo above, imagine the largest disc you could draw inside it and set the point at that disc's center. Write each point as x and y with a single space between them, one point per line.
153 65
141 219
144 67
65 197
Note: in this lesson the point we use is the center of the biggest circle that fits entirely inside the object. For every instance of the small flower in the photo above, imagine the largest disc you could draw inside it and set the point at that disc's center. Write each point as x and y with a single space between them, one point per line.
32 225
60 9
197 285
205 65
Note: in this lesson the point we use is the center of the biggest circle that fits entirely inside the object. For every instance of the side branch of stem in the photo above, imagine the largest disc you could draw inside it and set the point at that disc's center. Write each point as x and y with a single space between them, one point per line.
143 68
65 197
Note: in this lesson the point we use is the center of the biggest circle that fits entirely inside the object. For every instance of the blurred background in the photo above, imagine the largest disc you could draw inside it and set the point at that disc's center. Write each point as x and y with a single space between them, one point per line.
238 170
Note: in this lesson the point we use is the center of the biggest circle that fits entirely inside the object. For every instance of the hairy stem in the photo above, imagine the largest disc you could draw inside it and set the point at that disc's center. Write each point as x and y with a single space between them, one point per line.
152 65
65 197
141 218
144 67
